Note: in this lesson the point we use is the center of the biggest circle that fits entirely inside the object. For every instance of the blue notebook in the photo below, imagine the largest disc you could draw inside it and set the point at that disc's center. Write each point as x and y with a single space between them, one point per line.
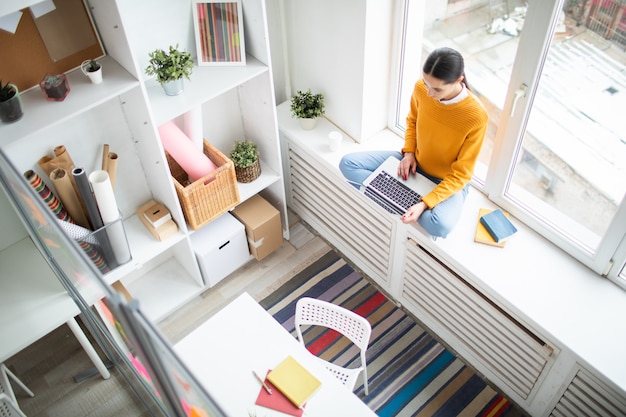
498 225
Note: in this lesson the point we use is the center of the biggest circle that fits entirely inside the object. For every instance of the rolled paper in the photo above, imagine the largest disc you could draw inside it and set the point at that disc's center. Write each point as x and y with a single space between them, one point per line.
78 233
44 164
67 194
84 189
95 256
105 156
111 168
62 159
194 162
60 150
88 243
47 196
192 126
109 211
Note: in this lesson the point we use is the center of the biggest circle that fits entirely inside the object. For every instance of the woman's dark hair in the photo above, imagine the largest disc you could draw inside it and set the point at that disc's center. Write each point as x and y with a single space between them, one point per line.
446 64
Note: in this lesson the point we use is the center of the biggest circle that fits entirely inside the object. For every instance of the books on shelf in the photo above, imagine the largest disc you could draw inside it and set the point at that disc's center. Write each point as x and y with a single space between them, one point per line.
277 401
294 381
498 225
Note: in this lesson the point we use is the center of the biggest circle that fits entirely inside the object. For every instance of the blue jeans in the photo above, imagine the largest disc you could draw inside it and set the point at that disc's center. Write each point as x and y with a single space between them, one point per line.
438 221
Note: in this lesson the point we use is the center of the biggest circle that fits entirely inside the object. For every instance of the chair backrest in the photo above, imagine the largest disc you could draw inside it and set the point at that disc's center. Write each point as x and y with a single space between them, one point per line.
311 311
8 408
5 385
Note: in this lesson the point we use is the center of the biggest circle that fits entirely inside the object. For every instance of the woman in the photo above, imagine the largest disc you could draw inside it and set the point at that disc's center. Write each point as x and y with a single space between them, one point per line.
445 129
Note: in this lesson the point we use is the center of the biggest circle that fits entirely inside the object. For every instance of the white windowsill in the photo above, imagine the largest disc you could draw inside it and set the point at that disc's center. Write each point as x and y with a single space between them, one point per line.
563 299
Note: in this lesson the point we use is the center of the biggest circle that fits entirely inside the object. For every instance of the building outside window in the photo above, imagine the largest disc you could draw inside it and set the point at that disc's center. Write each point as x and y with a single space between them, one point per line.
552 75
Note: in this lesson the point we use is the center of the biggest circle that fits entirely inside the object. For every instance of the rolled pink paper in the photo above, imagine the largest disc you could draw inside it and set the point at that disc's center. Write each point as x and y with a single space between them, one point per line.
195 163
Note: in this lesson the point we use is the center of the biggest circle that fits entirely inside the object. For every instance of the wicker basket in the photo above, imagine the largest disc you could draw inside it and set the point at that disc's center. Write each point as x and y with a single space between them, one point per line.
210 196
248 174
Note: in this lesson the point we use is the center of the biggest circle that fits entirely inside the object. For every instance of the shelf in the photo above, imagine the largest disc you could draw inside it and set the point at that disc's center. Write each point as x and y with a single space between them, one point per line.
40 113
206 83
267 178
163 289
31 296
143 247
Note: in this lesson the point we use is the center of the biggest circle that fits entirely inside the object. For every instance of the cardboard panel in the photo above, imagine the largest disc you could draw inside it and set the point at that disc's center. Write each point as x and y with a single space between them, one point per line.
25 57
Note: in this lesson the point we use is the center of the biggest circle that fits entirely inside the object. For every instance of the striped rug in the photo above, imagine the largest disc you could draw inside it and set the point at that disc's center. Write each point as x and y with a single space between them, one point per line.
410 373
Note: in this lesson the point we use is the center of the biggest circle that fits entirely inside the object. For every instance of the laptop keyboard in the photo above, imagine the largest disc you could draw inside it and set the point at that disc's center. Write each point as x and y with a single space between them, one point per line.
391 194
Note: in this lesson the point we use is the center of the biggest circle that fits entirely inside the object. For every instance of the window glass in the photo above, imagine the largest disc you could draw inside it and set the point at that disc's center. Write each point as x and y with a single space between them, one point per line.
487 37
558 154
572 165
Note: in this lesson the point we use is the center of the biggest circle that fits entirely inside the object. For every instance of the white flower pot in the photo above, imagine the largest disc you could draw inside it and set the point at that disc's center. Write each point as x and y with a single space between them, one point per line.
174 88
308 124
94 76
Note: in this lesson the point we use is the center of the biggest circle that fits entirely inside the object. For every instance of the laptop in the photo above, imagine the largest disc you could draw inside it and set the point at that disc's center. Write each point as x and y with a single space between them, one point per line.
392 193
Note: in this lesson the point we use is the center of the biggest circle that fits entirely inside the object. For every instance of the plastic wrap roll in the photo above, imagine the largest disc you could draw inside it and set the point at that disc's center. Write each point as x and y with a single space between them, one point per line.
109 211
67 194
194 162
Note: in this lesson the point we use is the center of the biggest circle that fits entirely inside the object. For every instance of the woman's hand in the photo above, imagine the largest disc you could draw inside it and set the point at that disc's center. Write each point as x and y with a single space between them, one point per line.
408 165
414 212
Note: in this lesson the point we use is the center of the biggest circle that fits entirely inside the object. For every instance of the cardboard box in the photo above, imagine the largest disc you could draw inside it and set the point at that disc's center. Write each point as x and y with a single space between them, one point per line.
263 227
220 247
147 213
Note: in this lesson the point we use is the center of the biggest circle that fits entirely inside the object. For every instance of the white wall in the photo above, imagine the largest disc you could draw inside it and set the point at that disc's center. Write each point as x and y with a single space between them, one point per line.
328 50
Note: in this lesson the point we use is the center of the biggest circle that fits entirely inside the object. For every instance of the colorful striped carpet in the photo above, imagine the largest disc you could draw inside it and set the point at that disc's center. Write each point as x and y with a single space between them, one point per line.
410 373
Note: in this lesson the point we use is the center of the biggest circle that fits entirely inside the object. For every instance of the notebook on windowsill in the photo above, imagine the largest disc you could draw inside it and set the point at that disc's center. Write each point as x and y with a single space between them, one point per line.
498 225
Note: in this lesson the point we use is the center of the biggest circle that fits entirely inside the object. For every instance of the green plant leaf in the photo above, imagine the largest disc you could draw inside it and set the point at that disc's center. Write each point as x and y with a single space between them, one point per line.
169 66
244 153
306 105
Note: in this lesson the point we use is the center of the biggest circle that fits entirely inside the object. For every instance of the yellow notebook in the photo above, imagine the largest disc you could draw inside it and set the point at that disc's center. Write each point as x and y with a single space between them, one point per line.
294 381
482 234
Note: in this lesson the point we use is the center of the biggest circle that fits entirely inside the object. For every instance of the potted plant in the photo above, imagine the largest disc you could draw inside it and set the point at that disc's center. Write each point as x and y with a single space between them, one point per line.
10 103
93 70
245 157
55 87
170 68
307 107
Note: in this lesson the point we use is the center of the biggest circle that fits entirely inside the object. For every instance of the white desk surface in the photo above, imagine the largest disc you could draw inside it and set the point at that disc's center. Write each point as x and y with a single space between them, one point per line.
32 300
223 351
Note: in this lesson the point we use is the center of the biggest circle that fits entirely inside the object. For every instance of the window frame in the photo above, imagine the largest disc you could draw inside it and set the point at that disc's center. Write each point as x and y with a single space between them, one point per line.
608 258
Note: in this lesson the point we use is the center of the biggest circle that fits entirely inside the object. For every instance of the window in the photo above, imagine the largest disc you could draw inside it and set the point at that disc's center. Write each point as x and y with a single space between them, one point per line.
555 151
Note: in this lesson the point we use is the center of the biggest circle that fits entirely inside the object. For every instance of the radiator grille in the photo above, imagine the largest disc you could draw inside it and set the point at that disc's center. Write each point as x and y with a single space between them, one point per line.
503 346
330 207
586 396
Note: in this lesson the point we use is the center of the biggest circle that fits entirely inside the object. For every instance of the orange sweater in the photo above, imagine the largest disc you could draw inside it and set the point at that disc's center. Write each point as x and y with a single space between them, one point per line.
446 140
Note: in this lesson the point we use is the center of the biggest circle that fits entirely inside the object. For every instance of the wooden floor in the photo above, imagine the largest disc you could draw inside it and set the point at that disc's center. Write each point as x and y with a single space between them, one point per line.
48 367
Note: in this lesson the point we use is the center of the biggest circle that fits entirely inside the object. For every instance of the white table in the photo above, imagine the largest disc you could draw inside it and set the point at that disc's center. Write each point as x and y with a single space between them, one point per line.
223 351
33 303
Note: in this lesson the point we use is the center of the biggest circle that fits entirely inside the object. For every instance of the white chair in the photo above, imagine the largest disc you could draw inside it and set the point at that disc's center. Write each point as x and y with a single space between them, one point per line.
8 408
313 312
8 403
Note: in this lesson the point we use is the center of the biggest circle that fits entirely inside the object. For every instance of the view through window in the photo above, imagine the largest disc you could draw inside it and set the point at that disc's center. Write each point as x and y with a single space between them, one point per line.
568 167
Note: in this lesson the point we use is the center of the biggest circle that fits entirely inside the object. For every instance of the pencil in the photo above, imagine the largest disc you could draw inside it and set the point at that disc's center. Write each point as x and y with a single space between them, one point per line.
269 391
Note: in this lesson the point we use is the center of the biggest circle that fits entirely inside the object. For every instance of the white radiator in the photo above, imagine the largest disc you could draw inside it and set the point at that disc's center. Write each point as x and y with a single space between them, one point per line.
505 349
335 210
587 396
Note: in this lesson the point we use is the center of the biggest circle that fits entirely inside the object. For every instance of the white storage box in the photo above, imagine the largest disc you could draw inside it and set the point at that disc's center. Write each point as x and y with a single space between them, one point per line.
221 247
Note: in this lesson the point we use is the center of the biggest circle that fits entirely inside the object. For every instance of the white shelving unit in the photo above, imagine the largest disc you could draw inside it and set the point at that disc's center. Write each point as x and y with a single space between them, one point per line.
236 102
